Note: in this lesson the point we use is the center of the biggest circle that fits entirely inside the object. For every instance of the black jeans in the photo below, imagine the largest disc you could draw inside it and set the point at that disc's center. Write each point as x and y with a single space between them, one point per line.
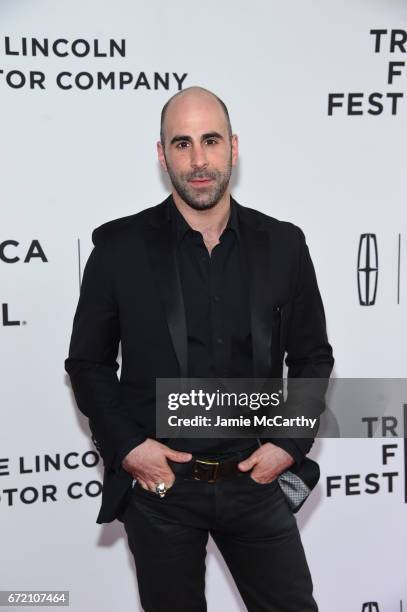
251 524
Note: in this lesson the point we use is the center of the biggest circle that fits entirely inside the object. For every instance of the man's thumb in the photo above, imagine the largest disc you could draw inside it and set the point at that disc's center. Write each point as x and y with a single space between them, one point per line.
247 464
178 456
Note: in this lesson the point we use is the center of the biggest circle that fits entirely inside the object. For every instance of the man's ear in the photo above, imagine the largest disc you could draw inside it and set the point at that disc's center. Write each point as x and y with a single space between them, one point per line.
161 156
235 149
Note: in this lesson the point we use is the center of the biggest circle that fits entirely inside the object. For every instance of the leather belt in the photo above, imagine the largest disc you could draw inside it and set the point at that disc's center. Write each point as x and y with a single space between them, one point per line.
211 470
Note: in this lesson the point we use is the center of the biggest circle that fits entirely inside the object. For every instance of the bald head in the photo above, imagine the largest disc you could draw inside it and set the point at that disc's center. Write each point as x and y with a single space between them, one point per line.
190 99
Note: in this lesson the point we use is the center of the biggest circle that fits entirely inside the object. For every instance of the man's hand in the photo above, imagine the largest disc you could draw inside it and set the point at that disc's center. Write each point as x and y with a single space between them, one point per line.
148 463
267 462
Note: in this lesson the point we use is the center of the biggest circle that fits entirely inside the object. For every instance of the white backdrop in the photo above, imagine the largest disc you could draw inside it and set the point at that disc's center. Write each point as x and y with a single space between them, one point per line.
74 158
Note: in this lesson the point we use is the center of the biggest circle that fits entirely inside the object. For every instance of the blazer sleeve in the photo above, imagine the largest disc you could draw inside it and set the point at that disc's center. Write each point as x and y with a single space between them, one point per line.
309 354
92 362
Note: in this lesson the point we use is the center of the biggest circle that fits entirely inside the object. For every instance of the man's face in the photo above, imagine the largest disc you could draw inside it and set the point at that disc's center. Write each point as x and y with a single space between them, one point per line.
198 153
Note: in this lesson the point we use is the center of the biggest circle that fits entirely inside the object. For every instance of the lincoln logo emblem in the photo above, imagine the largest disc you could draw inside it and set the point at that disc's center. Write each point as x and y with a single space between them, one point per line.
368 269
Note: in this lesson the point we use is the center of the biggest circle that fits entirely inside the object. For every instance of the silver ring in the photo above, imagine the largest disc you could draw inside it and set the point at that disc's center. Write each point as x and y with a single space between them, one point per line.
161 489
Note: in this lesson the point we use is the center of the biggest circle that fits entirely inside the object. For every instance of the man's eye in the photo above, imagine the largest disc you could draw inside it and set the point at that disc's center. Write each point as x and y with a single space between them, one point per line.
211 141
182 145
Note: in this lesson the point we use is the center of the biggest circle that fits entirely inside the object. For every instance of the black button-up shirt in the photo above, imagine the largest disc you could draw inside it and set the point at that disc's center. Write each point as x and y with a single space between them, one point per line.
217 310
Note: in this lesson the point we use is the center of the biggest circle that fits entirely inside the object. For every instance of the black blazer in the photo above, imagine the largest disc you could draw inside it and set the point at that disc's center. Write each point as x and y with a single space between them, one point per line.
131 293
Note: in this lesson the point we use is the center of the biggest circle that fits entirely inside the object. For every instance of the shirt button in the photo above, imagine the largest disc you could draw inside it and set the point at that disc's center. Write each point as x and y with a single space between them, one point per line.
216 298
219 340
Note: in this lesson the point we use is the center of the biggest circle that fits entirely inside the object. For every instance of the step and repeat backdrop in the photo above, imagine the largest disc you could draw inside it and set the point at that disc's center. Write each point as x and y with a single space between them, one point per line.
317 92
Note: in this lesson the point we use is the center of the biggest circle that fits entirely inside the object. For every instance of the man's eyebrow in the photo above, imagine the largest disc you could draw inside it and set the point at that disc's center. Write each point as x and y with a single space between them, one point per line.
211 135
182 138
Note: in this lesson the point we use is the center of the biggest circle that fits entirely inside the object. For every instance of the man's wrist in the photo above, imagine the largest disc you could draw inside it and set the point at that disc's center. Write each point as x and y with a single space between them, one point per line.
124 451
289 446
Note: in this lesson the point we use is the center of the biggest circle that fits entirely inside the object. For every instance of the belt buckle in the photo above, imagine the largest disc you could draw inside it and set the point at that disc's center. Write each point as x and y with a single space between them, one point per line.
205 468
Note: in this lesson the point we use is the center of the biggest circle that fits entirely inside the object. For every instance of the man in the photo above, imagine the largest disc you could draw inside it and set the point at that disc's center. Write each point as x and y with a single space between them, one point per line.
198 286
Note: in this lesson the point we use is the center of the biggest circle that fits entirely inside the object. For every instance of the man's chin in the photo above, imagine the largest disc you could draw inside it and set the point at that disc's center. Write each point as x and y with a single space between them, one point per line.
202 203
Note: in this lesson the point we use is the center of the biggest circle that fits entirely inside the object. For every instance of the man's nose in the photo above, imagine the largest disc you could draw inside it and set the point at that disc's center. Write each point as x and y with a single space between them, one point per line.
198 157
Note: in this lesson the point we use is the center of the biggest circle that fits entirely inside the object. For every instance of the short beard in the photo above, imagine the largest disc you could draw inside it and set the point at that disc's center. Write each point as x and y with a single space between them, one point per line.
180 184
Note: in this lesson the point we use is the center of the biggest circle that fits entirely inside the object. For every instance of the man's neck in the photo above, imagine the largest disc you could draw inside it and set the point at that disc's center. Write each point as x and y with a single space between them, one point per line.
211 222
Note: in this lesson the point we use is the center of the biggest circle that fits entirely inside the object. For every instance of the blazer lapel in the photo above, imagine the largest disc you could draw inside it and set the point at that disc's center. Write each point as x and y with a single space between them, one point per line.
164 265
257 248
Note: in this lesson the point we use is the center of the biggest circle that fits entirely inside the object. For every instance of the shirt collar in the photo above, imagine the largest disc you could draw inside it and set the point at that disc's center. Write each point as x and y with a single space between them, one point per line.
180 226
